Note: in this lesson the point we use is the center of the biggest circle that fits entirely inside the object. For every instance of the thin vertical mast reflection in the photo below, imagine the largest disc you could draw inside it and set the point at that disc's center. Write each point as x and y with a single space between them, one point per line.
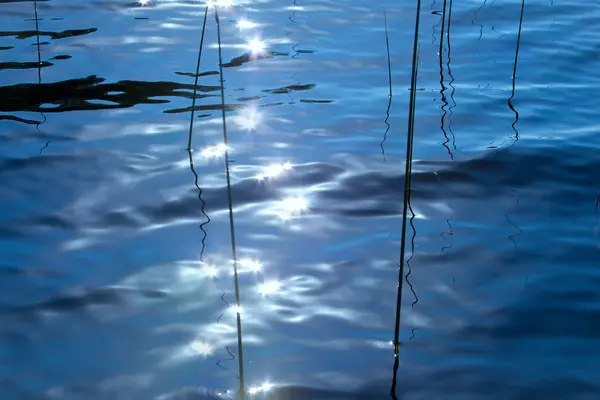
231 223
407 188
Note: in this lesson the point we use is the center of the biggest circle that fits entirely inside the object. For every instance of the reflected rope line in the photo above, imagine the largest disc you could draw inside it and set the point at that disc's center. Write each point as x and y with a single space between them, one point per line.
231 221
407 188
451 78
475 17
190 136
412 254
512 237
389 106
39 66
514 78
443 88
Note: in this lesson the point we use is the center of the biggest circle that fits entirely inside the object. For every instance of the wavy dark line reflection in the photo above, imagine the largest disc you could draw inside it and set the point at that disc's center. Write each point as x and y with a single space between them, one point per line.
412 254
190 136
451 79
475 17
232 358
390 95
450 232
520 231
39 72
443 88
514 78
231 219
407 188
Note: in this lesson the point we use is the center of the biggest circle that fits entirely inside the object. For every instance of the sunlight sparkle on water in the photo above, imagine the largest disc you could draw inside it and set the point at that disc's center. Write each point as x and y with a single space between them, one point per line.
273 171
250 265
214 151
248 119
269 287
245 24
210 270
264 388
202 348
256 46
236 309
292 206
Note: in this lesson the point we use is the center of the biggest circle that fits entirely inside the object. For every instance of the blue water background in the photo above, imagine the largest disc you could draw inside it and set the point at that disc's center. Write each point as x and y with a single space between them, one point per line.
102 292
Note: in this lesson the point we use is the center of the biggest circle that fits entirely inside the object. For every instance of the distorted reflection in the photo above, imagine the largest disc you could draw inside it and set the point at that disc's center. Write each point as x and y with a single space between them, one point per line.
245 24
269 287
264 388
292 206
236 309
249 265
214 151
273 171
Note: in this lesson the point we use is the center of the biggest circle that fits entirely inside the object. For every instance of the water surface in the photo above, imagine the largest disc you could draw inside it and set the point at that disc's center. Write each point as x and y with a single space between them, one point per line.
116 274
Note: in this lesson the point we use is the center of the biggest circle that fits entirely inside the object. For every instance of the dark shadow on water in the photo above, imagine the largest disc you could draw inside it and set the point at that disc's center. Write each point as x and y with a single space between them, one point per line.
78 94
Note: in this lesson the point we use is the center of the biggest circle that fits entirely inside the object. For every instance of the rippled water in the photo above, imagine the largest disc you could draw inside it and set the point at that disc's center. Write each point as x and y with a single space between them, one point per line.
116 273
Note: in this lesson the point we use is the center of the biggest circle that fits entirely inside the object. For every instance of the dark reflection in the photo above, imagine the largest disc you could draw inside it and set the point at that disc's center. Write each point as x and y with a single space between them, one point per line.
6 47
91 297
77 94
451 79
248 57
407 194
61 57
389 106
519 230
52 35
242 390
39 69
475 17
24 65
198 74
291 88
190 137
514 77
443 87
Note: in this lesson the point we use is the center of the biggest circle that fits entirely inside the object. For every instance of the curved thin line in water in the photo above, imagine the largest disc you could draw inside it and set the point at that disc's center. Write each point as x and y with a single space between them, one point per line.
39 68
45 147
451 79
387 111
475 17
514 78
450 232
218 363
202 208
520 231
190 134
412 254
407 186
231 221
443 88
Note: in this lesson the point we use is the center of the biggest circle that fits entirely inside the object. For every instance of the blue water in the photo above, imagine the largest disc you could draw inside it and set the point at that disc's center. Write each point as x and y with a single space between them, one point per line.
116 274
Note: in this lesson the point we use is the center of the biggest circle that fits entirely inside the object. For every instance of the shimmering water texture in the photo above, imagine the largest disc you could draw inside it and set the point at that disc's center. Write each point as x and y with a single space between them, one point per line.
189 208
